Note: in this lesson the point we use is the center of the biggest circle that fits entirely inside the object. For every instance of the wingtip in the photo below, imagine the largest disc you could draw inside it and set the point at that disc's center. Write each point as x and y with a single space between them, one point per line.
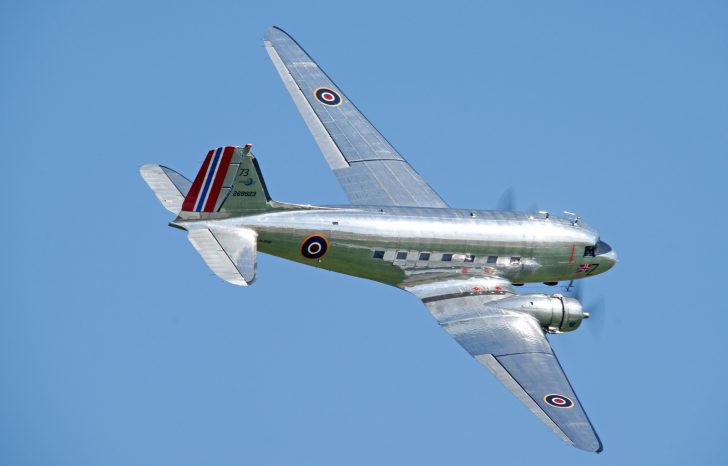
590 447
274 30
147 167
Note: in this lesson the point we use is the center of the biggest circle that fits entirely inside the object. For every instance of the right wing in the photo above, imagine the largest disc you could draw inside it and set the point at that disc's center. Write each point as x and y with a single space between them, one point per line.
514 348
366 165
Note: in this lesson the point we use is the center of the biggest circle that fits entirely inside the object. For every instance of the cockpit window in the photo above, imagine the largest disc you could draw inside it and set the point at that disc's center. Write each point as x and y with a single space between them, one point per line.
590 251
602 247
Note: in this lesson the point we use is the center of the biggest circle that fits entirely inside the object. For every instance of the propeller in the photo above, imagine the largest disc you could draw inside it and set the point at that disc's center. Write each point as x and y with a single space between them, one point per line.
507 201
596 308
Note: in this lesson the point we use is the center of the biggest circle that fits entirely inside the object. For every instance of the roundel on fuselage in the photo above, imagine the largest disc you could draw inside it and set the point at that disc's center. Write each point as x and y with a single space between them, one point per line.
314 247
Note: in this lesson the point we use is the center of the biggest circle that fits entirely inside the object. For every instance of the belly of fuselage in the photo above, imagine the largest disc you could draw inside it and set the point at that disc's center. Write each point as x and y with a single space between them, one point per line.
400 245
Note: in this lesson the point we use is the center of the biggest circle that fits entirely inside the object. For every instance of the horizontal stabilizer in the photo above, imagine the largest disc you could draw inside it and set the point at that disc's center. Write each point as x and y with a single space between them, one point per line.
169 186
231 254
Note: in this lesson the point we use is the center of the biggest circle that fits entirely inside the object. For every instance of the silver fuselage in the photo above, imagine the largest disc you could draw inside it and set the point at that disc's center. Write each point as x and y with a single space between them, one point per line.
402 246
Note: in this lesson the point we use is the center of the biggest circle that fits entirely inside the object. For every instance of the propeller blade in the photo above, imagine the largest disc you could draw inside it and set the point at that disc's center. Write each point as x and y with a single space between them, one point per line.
597 310
507 200
574 290
579 291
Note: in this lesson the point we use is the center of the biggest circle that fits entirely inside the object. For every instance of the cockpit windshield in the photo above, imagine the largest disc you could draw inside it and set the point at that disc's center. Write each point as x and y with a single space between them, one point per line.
602 248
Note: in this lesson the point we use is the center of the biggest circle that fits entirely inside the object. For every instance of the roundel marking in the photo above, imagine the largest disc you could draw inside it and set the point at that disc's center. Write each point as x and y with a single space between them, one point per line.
314 247
558 401
327 96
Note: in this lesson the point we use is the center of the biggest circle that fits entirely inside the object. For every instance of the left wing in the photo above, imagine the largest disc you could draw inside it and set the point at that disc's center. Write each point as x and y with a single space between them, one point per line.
365 163
515 349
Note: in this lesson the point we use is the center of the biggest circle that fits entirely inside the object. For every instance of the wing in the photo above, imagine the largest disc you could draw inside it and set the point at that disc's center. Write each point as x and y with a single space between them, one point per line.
515 349
366 165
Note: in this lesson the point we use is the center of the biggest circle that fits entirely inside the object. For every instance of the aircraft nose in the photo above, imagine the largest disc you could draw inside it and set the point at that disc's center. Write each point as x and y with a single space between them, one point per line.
605 251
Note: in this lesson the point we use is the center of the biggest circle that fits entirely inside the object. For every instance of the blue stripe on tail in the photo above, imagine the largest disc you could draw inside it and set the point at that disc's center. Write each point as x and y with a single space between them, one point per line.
208 180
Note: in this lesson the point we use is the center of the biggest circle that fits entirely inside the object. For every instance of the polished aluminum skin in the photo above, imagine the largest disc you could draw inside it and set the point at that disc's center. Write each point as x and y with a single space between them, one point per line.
528 247
369 169
462 264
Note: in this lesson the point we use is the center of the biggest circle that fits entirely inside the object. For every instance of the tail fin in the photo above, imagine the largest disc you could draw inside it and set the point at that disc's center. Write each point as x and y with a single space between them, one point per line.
228 181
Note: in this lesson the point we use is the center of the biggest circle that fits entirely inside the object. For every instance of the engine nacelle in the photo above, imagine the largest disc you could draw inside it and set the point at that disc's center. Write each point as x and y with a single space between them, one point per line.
555 313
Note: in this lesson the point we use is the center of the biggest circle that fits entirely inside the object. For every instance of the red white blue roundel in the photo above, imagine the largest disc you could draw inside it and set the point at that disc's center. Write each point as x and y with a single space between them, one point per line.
327 96
314 247
558 401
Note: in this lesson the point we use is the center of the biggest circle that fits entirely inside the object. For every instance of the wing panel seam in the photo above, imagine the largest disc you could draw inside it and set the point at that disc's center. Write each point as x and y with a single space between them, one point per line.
376 160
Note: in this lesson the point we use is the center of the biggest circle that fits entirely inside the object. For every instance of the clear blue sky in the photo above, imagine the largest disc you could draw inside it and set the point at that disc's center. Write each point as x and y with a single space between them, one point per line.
119 347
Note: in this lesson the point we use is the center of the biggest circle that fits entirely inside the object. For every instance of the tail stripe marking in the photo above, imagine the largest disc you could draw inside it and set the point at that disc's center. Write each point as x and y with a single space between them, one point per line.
191 199
211 169
218 178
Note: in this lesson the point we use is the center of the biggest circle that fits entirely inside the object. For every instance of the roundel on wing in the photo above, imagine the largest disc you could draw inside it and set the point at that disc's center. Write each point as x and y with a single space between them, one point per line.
314 247
327 96
558 401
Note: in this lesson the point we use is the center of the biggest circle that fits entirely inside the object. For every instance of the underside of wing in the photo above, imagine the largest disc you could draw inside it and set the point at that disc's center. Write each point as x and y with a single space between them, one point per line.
367 166
513 346
230 254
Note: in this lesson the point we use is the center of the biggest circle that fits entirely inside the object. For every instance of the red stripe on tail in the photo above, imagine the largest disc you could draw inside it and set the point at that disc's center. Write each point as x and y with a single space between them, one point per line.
222 168
191 199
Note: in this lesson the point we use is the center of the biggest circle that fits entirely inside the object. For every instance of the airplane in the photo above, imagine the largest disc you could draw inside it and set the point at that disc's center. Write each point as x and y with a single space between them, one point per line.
462 264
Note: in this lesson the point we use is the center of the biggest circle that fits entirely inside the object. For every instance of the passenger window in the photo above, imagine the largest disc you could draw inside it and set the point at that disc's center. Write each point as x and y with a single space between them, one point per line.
401 255
590 251
515 260
469 258
492 259
378 255
446 257
424 256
